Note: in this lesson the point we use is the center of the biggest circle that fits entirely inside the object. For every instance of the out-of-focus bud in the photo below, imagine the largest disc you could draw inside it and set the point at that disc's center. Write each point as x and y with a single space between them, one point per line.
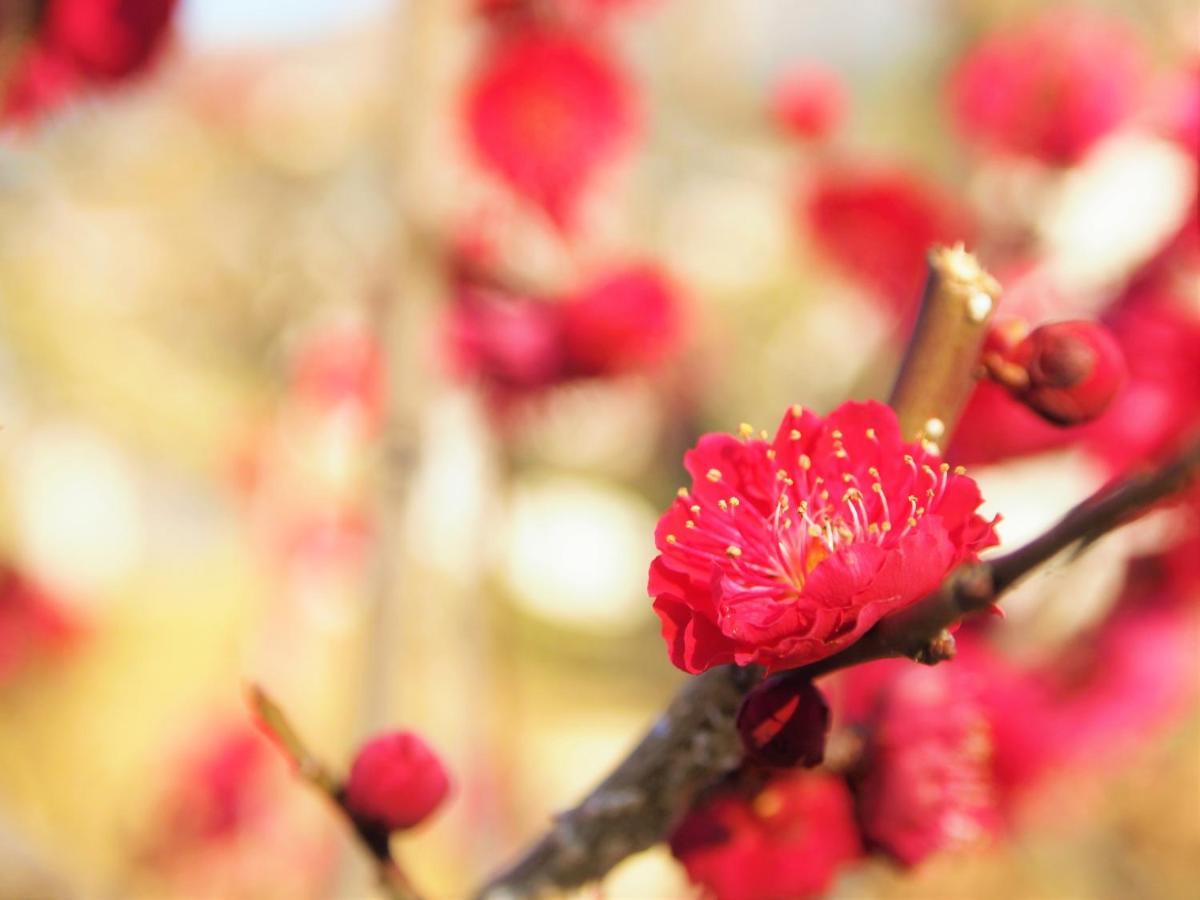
809 102
783 723
1067 372
1049 88
396 782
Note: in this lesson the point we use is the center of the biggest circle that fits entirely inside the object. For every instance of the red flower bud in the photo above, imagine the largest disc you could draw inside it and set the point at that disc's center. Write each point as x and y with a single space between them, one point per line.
1067 372
396 781
783 722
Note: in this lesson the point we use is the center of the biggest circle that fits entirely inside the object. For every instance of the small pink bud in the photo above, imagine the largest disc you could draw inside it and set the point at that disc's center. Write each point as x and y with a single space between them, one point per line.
783 722
396 781
1067 372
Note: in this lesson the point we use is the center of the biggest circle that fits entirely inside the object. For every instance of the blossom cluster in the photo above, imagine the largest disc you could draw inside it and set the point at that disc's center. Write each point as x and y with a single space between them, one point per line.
946 757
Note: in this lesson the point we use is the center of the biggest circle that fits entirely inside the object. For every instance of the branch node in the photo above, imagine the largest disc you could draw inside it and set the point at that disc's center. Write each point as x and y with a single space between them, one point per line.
938 649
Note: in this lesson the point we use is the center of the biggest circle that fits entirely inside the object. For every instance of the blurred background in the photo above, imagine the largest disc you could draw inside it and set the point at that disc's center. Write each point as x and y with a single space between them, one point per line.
352 348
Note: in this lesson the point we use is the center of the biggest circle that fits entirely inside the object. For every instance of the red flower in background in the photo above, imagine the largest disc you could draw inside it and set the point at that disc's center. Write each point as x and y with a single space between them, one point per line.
220 789
544 110
878 224
809 101
627 320
508 343
1098 699
40 80
1177 113
31 623
1136 675
81 42
787 843
786 551
995 427
926 782
106 40
1049 88
1160 403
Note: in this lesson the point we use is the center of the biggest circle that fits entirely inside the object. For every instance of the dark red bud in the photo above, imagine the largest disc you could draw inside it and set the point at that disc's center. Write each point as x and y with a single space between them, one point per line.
396 782
1070 371
783 722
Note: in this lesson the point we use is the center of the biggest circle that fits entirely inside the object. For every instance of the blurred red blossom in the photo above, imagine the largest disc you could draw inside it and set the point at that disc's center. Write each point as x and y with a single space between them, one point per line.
877 224
809 101
508 343
41 80
544 109
1177 107
220 789
1050 87
787 843
926 780
1092 704
106 40
227 824
994 427
951 751
786 551
396 781
1160 403
1134 676
628 319
32 624
75 43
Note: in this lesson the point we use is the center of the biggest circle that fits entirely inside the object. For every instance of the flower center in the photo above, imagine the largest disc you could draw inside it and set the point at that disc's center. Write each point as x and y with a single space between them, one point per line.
814 516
